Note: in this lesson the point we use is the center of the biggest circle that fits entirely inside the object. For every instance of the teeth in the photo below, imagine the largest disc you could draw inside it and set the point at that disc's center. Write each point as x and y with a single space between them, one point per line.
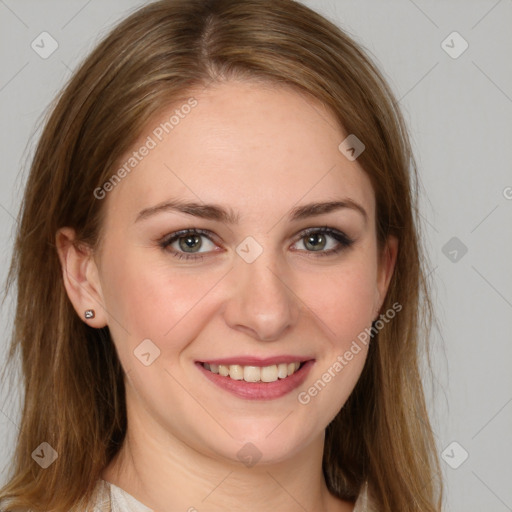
236 372
282 370
254 373
268 373
251 373
293 367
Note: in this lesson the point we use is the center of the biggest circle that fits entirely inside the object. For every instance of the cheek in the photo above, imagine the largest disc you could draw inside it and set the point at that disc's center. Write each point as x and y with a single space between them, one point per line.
343 299
144 299
343 306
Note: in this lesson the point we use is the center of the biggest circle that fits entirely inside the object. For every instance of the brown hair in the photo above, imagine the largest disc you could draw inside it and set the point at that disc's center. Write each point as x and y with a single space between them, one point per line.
73 380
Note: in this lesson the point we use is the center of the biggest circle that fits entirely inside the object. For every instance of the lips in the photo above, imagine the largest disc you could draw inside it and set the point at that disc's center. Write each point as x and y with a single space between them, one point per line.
255 378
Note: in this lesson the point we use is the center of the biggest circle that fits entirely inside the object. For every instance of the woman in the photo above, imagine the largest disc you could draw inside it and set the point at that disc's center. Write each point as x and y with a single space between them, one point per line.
218 298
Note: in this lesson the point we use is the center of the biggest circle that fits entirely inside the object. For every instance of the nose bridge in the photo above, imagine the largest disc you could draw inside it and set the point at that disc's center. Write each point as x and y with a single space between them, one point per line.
261 301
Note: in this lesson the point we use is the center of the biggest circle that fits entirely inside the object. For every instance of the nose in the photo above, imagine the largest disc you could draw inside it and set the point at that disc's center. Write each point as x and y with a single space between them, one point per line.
261 303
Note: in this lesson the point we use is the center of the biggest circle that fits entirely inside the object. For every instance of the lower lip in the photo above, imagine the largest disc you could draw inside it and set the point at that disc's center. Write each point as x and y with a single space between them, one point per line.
259 390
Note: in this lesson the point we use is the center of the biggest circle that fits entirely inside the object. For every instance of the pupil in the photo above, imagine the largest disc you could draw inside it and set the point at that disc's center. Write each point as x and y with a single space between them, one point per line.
316 241
190 242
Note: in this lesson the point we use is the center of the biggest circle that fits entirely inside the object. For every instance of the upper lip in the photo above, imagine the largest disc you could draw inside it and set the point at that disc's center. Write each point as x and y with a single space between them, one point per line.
256 361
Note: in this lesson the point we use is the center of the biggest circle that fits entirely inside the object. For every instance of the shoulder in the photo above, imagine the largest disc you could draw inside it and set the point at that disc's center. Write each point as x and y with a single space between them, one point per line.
101 501
110 498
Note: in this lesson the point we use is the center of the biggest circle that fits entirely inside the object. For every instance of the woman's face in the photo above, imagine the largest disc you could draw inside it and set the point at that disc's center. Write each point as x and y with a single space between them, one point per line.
278 273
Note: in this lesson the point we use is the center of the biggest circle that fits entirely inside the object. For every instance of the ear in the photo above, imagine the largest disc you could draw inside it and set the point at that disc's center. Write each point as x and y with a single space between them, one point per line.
385 270
81 278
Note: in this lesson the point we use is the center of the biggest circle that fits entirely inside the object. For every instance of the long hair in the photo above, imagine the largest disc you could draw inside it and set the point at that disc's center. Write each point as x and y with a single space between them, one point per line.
74 396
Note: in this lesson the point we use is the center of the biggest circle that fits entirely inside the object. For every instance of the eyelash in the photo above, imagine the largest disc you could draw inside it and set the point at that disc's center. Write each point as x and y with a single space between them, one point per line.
344 242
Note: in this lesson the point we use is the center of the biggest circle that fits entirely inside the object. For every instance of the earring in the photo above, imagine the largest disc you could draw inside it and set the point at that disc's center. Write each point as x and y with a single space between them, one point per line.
89 313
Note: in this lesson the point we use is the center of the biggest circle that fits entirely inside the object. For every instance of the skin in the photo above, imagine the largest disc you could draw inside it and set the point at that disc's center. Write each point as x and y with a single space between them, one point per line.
261 151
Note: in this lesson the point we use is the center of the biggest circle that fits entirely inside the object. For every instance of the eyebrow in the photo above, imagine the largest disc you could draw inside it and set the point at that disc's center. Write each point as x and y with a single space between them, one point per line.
228 216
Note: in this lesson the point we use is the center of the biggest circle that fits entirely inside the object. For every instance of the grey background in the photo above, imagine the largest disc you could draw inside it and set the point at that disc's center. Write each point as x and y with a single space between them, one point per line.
459 112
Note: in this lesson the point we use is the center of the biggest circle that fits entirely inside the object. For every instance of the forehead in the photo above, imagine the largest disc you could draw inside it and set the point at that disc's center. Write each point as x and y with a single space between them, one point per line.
253 147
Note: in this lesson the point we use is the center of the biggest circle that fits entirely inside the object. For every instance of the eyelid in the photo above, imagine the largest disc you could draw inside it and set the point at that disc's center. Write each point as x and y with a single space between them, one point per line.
170 237
324 229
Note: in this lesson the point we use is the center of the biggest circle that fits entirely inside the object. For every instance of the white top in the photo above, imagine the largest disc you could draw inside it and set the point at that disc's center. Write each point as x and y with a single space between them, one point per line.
113 498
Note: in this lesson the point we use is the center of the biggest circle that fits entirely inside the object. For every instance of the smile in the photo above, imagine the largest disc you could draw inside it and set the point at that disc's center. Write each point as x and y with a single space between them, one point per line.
256 379
254 373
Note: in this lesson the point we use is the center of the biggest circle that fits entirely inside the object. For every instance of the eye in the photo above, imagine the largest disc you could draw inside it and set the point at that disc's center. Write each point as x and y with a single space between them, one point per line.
186 244
324 241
